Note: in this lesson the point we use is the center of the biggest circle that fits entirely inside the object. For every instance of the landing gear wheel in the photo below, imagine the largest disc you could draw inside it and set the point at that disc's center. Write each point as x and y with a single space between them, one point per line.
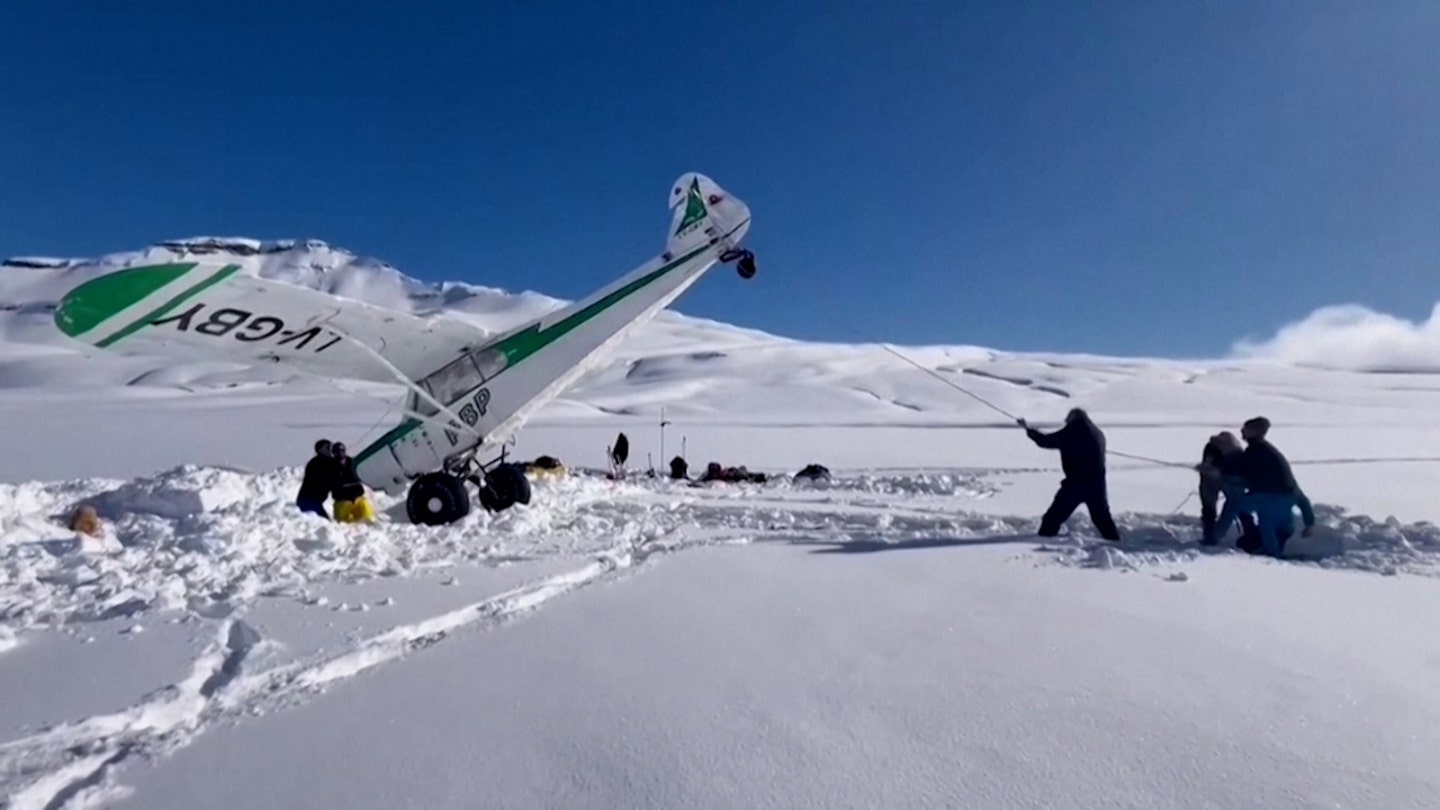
505 486
746 266
744 261
437 499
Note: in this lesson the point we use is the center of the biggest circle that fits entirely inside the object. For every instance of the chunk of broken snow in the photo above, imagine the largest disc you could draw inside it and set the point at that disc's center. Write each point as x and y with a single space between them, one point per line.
179 493
1107 558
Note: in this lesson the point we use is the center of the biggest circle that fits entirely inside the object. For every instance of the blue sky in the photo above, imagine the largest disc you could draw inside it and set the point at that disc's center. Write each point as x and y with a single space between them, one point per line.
1116 177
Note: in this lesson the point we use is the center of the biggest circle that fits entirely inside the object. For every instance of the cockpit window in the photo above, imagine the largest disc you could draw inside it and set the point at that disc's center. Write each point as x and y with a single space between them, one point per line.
452 382
490 361
460 377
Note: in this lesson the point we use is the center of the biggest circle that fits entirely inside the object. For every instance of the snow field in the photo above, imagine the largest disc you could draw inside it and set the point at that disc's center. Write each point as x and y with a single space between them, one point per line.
895 637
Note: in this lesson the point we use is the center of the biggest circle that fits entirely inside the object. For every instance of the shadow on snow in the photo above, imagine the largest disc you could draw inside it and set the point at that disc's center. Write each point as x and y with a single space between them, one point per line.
872 546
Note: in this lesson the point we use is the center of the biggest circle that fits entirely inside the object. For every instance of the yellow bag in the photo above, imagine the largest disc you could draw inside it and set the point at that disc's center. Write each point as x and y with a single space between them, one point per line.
536 471
357 511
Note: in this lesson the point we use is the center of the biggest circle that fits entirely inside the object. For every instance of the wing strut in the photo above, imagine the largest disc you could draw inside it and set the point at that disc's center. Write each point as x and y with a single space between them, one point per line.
455 420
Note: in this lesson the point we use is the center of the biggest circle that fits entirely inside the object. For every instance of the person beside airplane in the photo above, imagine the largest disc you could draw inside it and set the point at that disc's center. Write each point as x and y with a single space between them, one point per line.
319 479
351 503
331 474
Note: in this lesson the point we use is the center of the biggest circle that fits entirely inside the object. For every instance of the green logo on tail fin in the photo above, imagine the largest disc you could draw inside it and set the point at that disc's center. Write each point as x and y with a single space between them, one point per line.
694 208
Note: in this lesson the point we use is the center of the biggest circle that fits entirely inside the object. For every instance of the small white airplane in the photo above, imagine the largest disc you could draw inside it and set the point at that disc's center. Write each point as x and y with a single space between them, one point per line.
468 392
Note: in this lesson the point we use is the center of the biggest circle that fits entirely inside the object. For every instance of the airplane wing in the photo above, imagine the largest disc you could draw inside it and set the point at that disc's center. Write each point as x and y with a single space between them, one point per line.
219 312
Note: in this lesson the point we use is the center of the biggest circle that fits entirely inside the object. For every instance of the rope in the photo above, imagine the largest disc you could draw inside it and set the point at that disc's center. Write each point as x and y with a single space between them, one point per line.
1134 456
364 437
1177 509
1311 462
992 406
933 373
1149 460
1341 461
390 404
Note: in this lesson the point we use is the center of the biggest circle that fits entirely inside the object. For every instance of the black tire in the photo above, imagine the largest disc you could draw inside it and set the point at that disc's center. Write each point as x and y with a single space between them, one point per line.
437 499
746 266
505 486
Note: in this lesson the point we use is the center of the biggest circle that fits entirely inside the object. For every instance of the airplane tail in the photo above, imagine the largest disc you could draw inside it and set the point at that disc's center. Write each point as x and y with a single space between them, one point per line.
702 213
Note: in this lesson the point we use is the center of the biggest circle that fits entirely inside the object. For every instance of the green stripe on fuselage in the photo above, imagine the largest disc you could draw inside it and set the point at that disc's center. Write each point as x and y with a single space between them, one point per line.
391 436
521 345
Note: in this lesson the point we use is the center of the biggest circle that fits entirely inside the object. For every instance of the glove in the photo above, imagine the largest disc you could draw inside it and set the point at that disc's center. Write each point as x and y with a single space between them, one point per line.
1021 423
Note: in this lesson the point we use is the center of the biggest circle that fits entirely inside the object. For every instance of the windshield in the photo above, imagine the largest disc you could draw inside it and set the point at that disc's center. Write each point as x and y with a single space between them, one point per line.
490 361
449 384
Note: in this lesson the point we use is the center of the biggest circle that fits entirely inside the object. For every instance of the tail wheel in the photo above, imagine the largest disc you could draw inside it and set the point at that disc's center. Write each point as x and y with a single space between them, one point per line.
744 261
746 266
437 499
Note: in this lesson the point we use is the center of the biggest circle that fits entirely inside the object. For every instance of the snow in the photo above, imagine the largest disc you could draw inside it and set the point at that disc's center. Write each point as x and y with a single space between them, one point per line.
896 636
947 677
1356 338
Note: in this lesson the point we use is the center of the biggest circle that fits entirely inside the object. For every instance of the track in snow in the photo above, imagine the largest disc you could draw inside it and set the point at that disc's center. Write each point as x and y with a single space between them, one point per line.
48 769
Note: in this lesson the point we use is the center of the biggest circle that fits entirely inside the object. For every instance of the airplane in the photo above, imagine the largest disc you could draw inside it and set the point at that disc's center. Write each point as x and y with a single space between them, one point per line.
467 392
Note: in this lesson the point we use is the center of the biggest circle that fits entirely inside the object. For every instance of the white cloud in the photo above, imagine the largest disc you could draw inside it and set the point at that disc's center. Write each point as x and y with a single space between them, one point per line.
1355 338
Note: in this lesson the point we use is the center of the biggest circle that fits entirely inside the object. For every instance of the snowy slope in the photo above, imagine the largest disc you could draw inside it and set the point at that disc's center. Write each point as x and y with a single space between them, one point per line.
897 637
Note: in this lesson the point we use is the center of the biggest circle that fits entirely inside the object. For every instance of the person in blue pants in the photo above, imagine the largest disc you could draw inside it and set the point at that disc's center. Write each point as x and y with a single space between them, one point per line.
320 477
1270 490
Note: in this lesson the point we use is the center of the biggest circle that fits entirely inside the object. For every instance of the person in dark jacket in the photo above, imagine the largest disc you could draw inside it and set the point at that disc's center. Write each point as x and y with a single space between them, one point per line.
1219 475
1270 489
319 480
1082 457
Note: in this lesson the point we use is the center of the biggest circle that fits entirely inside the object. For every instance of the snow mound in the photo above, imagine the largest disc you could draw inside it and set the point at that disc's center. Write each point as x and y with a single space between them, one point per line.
208 540
1341 541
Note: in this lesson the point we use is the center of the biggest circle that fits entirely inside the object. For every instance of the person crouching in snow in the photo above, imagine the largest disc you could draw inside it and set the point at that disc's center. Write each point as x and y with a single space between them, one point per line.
1271 491
319 480
351 504
1219 475
1082 457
